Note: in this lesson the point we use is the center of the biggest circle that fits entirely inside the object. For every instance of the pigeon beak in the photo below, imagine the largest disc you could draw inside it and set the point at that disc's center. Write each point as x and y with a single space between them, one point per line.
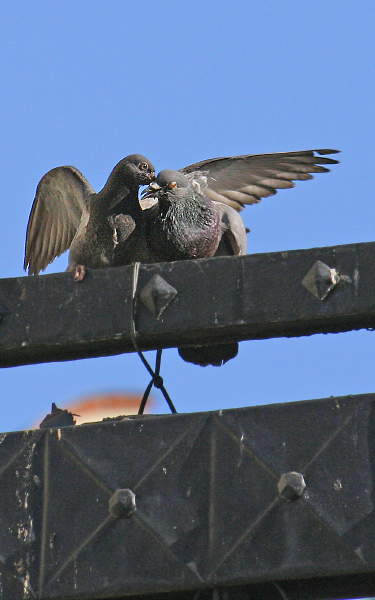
152 189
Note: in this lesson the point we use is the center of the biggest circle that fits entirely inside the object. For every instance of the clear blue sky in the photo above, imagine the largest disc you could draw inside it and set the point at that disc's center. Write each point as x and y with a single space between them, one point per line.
86 83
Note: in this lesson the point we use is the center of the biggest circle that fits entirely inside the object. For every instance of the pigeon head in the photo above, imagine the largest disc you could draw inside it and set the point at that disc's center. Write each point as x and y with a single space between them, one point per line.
172 180
168 185
134 168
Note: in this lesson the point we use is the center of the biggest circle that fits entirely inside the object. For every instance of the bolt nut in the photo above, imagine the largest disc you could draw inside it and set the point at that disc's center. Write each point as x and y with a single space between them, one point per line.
122 504
291 486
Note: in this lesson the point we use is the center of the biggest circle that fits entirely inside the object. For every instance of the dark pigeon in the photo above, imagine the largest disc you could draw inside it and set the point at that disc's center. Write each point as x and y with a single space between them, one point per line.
101 230
196 214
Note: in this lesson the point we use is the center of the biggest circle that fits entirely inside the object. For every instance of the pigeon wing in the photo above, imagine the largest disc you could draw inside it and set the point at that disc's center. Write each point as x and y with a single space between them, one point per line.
241 180
234 232
60 201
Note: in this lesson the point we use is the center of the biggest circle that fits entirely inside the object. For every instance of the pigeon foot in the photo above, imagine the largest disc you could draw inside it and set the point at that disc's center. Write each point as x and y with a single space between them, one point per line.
79 273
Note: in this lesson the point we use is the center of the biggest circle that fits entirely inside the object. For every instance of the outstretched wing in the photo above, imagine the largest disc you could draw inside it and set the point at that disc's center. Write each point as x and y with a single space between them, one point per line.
60 200
241 180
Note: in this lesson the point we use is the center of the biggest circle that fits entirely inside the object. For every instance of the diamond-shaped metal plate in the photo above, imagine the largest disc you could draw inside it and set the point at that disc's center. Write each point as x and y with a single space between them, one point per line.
320 280
156 295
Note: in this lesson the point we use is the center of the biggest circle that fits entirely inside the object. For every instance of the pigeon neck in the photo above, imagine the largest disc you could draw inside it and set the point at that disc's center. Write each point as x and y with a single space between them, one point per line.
188 228
188 216
188 207
168 202
118 190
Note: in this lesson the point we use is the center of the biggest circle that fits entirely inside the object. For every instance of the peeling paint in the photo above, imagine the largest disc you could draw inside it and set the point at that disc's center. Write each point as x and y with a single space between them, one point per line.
337 485
26 586
356 280
241 446
75 573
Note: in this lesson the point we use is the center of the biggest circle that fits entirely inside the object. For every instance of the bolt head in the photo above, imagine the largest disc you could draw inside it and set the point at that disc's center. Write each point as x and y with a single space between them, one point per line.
122 504
291 486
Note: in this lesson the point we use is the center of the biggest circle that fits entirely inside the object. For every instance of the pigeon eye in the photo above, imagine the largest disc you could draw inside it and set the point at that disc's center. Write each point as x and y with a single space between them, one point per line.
172 185
143 166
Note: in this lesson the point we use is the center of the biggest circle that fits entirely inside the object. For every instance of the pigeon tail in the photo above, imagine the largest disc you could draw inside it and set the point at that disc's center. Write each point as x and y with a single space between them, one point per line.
214 355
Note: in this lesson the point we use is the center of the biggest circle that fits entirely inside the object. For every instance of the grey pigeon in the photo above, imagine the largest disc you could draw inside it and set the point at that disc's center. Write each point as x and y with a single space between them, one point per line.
195 216
101 230
187 224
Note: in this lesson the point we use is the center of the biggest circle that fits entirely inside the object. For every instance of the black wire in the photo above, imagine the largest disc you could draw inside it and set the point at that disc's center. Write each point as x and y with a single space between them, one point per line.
158 361
156 380
145 398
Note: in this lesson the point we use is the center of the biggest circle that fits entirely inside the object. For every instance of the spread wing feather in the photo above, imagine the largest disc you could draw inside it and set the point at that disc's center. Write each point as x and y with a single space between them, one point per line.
60 201
241 180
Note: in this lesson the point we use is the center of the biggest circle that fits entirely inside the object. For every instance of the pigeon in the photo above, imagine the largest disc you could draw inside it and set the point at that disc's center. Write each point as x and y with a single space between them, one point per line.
197 213
101 230
186 224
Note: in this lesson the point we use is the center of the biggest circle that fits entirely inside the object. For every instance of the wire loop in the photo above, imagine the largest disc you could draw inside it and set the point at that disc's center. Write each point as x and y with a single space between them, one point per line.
156 379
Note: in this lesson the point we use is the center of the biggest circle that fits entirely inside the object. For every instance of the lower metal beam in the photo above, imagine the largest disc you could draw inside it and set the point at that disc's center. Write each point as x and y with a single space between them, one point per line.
194 506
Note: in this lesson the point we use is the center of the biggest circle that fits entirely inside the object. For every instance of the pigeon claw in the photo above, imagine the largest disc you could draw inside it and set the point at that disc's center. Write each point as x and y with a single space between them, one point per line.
79 273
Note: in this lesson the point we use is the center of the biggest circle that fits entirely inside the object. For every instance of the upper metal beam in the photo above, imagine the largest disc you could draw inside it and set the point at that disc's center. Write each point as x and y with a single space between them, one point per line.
300 292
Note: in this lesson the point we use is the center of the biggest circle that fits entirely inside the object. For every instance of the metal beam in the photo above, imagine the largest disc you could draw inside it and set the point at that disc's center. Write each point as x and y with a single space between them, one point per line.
180 505
301 292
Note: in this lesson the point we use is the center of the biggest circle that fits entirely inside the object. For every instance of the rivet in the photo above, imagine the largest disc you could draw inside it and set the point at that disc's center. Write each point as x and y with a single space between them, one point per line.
291 486
122 504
